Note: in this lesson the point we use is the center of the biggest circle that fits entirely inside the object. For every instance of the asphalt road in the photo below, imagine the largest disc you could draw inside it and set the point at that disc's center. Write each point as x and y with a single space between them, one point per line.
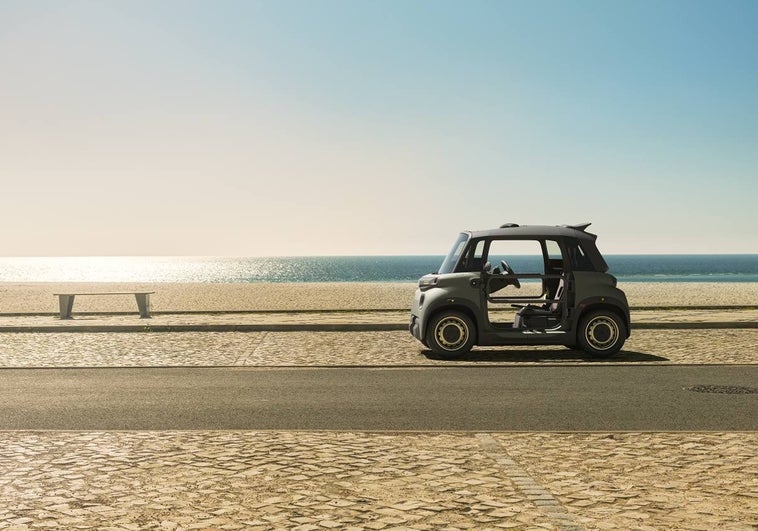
568 398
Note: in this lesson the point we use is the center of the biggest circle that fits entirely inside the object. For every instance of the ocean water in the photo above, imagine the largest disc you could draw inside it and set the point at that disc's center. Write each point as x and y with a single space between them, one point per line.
627 268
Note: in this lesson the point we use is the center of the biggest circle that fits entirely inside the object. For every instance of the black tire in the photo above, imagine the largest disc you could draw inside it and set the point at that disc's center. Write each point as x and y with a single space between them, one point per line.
601 333
451 334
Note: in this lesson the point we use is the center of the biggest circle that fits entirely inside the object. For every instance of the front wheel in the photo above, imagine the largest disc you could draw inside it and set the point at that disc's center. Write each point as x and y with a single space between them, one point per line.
601 333
451 334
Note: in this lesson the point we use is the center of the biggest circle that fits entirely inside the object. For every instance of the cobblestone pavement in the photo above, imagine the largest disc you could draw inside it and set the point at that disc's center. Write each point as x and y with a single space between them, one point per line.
646 480
346 348
327 480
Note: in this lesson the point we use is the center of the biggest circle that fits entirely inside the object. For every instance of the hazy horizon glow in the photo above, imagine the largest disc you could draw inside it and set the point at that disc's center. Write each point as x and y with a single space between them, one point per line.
252 128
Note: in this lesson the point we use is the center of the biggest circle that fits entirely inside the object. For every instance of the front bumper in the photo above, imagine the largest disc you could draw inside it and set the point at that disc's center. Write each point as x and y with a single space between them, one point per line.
415 327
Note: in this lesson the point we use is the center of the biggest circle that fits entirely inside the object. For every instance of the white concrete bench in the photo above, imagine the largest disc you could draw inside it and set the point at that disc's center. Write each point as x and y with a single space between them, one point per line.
66 301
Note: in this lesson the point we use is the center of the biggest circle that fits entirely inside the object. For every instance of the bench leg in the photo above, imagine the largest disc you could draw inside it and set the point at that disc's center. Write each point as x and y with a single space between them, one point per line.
143 303
66 304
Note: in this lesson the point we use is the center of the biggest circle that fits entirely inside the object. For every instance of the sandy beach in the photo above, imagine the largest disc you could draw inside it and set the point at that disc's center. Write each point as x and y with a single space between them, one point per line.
203 297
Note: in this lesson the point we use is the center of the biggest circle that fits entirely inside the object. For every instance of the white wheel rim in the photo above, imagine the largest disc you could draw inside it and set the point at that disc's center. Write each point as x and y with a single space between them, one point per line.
457 331
602 332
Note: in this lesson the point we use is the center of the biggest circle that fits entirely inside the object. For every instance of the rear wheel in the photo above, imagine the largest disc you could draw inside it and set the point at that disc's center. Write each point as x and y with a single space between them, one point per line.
451 334
601 333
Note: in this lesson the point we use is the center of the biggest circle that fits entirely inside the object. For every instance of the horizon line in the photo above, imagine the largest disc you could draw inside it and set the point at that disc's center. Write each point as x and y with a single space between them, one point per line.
235 256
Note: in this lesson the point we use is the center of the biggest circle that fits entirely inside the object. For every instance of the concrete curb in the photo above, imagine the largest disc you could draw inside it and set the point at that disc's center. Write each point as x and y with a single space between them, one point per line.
718 325
272 327
320 327
736 307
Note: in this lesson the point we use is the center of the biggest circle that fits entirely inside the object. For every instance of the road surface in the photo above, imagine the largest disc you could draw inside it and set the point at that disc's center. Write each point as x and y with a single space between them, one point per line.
553 398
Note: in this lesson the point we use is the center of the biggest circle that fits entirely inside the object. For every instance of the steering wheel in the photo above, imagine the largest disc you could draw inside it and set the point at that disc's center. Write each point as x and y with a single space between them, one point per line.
509 271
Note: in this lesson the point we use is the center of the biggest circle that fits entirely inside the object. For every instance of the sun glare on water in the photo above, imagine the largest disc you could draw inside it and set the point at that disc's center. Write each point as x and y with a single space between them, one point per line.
85 269
133 269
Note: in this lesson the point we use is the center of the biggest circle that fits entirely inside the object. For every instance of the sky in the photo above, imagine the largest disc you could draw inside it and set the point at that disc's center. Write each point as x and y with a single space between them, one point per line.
323 127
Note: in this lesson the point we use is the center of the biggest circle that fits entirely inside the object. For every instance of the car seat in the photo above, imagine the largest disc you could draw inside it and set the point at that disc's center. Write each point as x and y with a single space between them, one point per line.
544 316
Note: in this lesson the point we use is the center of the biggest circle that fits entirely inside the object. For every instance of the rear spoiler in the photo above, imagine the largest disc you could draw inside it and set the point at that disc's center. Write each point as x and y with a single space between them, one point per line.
579 226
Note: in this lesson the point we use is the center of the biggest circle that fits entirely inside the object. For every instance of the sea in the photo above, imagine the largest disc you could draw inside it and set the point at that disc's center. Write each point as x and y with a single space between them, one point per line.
627 268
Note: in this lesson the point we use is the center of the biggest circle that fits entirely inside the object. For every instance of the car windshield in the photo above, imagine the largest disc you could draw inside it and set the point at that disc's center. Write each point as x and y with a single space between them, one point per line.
448 264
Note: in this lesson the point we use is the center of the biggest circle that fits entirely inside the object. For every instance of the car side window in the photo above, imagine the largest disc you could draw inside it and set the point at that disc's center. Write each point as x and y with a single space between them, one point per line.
474 260
577 258
554 255
523 256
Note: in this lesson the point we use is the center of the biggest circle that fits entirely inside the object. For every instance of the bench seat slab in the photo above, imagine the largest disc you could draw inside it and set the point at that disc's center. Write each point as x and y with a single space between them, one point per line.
66 302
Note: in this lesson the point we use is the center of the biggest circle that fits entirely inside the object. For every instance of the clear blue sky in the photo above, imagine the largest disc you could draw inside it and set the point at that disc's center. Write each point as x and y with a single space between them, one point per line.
366 127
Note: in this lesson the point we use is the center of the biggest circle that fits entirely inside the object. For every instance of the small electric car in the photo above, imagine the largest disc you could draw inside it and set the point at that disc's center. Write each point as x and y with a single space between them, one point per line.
521 285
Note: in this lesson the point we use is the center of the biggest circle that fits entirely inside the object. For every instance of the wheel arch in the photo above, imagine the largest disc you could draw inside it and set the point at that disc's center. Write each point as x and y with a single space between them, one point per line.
453 307
602 303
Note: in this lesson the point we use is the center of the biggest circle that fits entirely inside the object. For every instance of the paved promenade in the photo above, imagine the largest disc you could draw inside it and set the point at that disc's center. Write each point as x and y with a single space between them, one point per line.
277 349
328 480
340 338
315 481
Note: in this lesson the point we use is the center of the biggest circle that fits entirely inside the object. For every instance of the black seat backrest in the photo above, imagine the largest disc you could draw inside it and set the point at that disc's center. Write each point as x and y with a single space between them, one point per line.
558 294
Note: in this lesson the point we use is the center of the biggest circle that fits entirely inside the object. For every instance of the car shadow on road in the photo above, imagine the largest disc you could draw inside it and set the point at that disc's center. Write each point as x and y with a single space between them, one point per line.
546 356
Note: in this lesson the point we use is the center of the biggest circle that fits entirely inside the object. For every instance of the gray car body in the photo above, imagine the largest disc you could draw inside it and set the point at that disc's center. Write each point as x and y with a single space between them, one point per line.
591 288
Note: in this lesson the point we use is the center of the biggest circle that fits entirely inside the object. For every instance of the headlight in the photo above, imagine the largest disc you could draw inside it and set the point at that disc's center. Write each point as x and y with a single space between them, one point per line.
427 282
